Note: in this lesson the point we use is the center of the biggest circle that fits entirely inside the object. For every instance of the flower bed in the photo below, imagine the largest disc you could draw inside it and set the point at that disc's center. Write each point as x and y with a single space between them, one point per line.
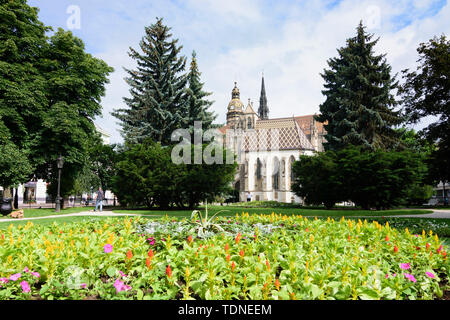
256 257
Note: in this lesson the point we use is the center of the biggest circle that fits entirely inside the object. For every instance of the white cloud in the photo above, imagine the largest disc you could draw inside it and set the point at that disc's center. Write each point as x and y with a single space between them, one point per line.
290 41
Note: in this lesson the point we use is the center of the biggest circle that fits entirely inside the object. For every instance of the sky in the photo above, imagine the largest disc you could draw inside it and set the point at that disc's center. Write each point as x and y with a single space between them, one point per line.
239 40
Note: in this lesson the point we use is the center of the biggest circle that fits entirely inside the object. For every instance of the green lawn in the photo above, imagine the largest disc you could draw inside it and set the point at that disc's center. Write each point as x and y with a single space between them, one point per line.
232 210
33 213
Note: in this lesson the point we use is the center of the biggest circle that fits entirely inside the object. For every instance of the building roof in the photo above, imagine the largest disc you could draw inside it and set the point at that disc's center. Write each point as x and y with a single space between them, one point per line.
276 134
305 124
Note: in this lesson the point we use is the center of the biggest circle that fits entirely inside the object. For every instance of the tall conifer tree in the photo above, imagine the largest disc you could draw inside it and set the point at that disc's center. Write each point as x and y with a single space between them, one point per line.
359 106
158 101
197 104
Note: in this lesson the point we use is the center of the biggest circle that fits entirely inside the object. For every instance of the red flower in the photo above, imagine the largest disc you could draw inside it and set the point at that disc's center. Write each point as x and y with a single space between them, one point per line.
148 262
307 230
227 247
3 237
190 239
129 254
348 238
439 250
241 253
387 238
277 284
427 246
150 254
395 249
233 265
228 258
169 271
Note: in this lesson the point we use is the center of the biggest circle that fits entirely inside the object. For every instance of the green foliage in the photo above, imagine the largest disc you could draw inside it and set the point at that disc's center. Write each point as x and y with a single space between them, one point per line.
419 194
146 175
380 179
272 257
158 101
426 92
50 92
197 104
359 104
324 186
14 165
204 226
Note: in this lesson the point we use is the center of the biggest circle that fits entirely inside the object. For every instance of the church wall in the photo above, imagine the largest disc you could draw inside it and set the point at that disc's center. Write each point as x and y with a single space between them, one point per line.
262 189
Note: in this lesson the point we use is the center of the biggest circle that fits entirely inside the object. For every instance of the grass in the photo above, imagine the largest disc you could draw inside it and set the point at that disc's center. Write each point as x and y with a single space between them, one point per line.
232 210
34 213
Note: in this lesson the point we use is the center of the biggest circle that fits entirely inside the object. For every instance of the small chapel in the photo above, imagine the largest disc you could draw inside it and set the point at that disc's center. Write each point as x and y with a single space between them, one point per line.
267 148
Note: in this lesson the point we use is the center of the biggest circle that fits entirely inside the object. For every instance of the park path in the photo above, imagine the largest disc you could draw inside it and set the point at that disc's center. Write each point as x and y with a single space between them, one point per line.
82 214
437 214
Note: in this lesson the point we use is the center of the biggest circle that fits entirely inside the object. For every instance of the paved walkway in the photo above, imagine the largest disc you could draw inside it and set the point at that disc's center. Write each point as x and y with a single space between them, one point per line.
437 214
82 214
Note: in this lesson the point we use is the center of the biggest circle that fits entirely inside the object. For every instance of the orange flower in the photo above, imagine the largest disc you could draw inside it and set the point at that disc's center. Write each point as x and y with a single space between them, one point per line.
169 271
190 239
150 254
277 284
227 247
387 238
3 237
268 265
395 249
228 258
238 238
241 253
129 254
348 238
148 262
233 265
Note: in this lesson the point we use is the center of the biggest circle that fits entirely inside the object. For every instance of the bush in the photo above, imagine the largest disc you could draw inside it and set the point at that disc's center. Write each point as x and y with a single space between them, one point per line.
146 175
380 179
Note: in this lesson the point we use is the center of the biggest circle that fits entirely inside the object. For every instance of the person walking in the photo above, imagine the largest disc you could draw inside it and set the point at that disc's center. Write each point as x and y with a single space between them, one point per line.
249 197
99 199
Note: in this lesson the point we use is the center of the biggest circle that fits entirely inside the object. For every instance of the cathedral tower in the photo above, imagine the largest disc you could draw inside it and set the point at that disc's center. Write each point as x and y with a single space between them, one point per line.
263 110
235 109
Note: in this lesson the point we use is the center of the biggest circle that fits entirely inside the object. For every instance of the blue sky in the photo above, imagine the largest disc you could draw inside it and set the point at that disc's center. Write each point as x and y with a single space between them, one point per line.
236 40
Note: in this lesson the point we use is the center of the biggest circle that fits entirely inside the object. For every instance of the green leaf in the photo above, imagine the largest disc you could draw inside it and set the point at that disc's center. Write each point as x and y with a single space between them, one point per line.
111 271
367 294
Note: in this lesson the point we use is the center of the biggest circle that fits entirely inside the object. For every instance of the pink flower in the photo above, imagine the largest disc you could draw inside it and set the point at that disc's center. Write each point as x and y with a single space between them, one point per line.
83 285
405 266
36 274
26 269
120 286
25 287
122 274
4 280
429 274
410 277
15 277
108 248
387 275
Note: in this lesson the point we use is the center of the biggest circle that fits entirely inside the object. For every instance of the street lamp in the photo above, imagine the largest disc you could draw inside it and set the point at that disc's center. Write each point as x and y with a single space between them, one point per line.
59 163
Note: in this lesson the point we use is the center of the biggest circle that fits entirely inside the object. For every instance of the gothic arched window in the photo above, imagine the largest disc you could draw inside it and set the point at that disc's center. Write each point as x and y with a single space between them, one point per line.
249 123
258 169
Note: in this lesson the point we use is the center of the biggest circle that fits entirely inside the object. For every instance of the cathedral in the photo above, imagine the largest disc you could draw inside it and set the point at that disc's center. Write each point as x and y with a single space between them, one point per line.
266 148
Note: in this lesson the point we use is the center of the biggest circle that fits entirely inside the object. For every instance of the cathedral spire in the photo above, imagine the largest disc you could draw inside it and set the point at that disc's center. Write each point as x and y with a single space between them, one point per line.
263 110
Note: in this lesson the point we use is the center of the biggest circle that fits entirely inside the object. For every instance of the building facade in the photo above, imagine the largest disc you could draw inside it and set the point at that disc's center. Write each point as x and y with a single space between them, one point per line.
267 148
